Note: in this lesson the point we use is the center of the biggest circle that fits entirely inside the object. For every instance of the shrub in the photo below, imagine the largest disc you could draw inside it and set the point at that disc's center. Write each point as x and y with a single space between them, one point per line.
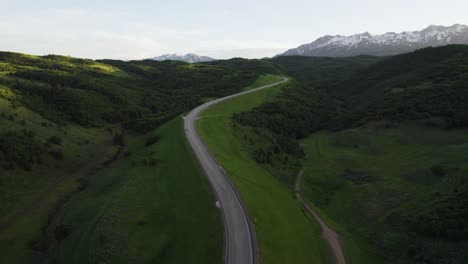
152 140
439 170
19 149
55 140
152 162
83 183
444 215
119 140
358 177
57 154
61 232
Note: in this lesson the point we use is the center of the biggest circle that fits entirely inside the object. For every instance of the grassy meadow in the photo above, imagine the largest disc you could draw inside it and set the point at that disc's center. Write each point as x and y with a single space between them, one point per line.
263 80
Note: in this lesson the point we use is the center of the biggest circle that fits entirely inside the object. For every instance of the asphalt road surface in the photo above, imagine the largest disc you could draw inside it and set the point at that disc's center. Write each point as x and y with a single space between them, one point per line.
239 236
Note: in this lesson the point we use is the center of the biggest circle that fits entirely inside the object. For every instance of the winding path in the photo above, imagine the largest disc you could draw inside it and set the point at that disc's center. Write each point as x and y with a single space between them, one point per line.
328 234
239 235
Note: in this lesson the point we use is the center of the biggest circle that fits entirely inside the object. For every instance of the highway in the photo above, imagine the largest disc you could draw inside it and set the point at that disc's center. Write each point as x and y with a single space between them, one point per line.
240 246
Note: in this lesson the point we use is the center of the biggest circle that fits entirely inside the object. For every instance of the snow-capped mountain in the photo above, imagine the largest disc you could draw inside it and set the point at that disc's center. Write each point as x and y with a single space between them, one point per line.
190 57
381 45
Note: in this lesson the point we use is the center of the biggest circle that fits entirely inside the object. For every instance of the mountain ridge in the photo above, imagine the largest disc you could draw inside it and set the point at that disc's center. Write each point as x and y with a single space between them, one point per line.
387 44
189 57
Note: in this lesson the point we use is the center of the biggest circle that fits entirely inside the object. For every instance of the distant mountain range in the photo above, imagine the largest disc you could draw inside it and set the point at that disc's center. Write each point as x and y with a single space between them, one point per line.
190 57
382 45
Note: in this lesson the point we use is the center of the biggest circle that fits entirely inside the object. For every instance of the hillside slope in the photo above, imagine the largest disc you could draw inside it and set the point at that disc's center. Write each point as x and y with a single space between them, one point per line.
429 83
66 120
384 150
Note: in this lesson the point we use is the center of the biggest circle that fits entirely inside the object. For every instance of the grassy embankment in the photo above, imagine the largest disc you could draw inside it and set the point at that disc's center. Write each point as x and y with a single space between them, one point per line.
153 206
285 233
263 80
367 181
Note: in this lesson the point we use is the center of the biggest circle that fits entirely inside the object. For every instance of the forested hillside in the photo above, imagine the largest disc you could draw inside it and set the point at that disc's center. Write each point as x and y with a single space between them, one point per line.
429 84
383 142
322 71
139 95
89 92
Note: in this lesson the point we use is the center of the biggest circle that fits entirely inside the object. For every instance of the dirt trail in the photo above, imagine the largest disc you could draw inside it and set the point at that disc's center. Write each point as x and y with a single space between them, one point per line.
328 234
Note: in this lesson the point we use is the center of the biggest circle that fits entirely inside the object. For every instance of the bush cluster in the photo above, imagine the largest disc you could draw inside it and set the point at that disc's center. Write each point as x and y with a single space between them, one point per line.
20 149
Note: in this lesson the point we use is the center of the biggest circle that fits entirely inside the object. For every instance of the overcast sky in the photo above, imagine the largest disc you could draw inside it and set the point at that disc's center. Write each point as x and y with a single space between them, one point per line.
222 29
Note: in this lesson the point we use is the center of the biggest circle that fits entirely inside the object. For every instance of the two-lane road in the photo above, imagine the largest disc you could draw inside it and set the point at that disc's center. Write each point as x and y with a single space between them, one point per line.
239 235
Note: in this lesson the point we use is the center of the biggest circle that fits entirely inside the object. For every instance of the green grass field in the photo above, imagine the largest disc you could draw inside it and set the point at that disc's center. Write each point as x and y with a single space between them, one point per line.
392 169
286 234
157 213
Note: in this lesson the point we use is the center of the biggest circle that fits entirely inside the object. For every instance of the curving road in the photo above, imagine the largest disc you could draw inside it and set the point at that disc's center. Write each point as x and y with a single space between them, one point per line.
239 236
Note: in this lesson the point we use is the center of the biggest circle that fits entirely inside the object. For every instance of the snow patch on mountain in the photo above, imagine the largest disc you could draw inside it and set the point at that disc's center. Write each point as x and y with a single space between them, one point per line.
190 58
